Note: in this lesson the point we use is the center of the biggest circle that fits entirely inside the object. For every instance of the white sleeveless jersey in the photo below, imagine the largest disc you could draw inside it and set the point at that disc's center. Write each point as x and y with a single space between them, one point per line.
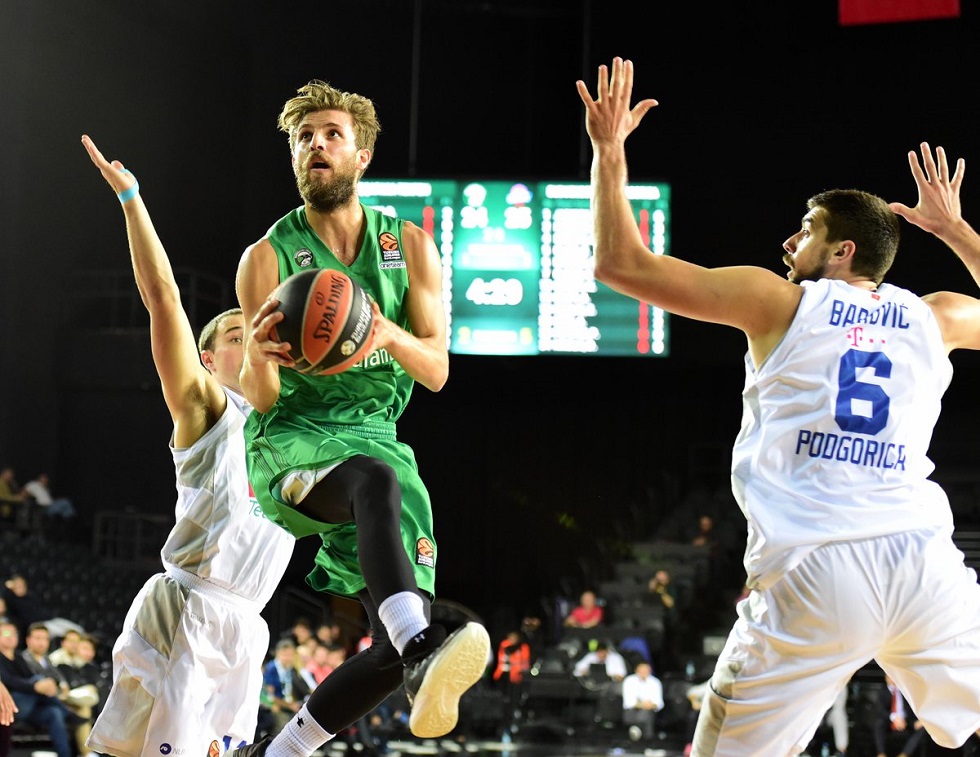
836 426
221 535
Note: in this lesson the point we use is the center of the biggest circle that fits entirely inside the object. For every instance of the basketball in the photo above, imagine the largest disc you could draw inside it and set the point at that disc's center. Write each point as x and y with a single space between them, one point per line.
327 320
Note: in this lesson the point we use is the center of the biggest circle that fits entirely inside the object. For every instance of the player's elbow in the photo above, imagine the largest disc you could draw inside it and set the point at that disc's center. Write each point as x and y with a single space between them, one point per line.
608 270
262 407
439 378
610 274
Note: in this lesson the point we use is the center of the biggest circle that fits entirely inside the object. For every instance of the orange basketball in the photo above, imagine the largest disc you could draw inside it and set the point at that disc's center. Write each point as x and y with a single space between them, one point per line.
327 320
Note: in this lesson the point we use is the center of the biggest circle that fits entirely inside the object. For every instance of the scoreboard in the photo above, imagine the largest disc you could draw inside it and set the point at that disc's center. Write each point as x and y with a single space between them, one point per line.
518 268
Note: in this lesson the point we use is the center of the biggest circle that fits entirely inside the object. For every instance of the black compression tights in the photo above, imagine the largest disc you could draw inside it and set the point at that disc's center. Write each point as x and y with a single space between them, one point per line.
365 490
364 681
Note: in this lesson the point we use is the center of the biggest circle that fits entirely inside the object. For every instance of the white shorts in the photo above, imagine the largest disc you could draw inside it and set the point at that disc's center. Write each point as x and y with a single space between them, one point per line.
187 674
905 600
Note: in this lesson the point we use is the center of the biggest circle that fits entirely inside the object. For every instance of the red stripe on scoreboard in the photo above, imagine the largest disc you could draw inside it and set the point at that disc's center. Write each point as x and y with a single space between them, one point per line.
856 12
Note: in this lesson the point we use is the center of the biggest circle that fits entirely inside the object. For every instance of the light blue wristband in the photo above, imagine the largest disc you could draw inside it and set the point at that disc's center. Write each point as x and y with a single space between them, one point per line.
128 194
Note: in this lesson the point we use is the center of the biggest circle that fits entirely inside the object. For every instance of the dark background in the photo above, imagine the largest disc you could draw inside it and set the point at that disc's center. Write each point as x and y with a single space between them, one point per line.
535 465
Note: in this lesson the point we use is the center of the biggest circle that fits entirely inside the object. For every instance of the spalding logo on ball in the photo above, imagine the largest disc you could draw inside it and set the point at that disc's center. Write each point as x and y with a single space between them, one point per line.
327 320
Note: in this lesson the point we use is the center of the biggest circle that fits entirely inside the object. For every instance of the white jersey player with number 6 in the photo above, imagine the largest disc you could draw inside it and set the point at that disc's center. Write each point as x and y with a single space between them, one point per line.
187 673
836 426
849 556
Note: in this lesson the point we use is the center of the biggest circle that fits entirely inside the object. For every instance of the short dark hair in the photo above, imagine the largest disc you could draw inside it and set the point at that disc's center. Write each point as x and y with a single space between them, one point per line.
866 220
206 340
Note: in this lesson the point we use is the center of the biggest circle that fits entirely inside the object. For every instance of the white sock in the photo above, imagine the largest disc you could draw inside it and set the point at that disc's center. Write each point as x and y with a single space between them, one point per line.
404 616
300 738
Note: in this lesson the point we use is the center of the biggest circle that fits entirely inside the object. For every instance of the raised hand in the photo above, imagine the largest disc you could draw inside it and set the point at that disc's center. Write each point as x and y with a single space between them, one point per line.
114 173
609 118
938 207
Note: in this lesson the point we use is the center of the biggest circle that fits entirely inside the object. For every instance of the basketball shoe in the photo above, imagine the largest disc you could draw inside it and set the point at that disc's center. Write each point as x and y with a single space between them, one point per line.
438 671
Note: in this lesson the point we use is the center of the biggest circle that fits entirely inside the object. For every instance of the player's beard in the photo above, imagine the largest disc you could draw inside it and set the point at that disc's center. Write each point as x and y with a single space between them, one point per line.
815 273
330 194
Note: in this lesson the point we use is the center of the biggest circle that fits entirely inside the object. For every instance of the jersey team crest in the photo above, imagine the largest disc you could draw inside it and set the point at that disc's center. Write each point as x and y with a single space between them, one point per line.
391 253
303 257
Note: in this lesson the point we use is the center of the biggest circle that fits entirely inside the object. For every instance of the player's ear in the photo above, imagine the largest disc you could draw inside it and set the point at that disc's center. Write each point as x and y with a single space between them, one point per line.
845 251
363 158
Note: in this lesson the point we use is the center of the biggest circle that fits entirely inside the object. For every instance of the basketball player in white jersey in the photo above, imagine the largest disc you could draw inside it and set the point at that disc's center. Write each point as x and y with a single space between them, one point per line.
187 668
849 554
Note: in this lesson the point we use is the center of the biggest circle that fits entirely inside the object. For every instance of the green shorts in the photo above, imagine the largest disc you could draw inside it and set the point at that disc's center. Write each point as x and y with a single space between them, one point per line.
279 443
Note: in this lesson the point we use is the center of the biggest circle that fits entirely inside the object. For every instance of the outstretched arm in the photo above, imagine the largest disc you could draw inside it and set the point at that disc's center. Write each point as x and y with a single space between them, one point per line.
755 300
938 211
193 397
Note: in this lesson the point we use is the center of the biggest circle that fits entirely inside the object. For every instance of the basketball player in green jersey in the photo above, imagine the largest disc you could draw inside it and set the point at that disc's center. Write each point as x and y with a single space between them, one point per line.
323 454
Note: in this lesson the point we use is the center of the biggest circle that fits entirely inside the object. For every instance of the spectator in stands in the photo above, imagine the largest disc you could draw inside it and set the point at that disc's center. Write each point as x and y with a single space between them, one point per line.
336 654
319 665
67 651
37 643
895 721
588 613
513 663
36 696
660 589
705 535
39 491
301 631
643 698
329 633
284 686
25 607
603 654
58 509
533 634
79 700
660 592
12 498
88 672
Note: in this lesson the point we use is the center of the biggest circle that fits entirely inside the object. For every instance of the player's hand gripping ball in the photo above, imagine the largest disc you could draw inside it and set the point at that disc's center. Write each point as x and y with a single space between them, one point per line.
327 320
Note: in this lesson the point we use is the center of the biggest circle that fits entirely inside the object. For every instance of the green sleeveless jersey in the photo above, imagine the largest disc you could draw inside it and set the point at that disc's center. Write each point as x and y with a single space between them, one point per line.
376 389
321 421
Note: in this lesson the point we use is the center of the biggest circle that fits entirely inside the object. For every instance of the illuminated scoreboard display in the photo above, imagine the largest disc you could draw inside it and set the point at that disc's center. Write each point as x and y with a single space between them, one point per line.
518 269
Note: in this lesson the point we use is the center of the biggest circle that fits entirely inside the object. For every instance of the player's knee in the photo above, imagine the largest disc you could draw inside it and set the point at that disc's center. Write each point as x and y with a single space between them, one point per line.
377 483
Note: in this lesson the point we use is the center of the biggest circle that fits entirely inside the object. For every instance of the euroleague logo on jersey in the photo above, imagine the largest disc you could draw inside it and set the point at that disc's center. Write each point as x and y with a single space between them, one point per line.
425 552
391 253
